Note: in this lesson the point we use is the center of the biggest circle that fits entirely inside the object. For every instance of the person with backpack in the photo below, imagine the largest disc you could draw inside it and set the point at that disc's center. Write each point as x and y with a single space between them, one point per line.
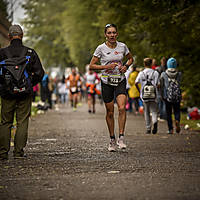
20 70
149 80
161 102
171 93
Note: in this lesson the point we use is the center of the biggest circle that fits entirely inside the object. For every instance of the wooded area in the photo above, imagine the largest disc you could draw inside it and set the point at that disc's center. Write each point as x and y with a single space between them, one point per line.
66 32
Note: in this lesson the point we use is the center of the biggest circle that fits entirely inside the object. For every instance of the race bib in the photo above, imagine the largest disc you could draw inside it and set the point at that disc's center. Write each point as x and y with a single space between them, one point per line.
73 89
114 80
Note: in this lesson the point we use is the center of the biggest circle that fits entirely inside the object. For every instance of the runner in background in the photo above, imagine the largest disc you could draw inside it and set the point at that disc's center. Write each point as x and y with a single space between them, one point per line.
113 81
72 83
80 88
91 79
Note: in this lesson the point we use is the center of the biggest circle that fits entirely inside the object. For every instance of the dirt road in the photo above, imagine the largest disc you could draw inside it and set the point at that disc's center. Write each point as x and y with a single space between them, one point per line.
68 159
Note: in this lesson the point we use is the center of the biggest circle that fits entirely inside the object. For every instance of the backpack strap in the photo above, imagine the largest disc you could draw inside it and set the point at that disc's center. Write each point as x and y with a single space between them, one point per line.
147 78
152 75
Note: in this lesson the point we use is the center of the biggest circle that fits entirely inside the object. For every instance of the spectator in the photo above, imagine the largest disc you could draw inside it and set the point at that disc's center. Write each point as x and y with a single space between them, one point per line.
19 103
171 93
149 80
133 92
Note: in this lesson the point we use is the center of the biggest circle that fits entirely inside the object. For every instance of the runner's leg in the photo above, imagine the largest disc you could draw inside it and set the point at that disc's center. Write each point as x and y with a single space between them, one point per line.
93 103
71 99
121 102
110 117
75 99
89 102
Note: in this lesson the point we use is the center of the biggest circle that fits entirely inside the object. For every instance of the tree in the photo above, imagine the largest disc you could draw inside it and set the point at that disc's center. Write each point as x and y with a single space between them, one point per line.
44 32
3 8
152 28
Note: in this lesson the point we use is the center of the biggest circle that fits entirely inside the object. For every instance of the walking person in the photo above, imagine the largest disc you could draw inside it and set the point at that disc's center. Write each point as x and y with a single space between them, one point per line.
15 96
149 80
161 103
171 93
62 90
45 91
134 94
113 81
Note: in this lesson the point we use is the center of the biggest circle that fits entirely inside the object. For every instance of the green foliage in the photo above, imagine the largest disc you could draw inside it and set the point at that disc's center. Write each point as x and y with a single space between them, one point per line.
44 32
69 31
3 8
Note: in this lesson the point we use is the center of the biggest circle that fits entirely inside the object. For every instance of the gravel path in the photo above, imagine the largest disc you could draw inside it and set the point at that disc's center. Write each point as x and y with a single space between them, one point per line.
68 159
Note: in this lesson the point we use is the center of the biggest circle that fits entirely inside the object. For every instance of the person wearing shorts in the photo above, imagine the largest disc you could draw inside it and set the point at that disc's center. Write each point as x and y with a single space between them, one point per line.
113 81
73 80
91 79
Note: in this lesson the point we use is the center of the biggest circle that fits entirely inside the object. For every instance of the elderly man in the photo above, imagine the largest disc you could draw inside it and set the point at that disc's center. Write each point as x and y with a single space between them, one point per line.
19 103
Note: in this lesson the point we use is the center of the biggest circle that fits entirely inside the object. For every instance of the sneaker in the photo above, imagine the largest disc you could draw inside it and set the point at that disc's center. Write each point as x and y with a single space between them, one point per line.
112 145
170 131
120 143
155 128
74 109
178 128
79 104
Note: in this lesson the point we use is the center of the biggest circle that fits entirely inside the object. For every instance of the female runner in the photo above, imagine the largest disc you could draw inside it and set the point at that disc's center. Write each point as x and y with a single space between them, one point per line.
113 82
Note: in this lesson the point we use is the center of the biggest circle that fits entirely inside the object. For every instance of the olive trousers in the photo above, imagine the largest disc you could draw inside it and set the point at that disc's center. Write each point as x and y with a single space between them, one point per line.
22 107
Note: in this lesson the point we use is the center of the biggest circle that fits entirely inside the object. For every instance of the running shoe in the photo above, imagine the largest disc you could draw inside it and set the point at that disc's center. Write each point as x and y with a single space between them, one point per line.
74 109
112 145
170 131
79 104
120 143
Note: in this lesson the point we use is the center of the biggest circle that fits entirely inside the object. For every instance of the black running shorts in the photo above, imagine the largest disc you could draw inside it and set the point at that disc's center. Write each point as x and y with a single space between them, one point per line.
110 92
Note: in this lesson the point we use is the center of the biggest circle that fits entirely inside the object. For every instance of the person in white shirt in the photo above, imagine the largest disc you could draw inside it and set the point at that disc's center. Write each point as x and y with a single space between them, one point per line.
149 80
113 81
91 80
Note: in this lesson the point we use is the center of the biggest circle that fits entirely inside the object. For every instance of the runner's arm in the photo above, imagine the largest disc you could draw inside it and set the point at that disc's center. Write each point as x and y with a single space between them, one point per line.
95 60
124 68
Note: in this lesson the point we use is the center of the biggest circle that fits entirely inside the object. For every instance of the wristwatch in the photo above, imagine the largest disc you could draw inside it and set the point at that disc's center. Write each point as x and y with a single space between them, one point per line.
127 66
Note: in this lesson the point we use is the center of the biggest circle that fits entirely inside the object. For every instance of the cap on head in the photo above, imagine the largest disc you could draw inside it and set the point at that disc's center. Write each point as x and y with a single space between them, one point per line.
15 30
171 63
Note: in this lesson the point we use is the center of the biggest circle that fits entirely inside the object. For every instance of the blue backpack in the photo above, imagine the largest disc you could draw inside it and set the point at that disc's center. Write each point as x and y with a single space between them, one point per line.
14 74
45 80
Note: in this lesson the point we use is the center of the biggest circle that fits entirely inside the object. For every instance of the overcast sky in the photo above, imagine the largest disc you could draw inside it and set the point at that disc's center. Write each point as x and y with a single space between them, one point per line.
18 11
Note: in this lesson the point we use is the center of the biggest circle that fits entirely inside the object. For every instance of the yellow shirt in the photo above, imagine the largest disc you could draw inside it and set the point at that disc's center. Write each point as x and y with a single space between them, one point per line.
133 92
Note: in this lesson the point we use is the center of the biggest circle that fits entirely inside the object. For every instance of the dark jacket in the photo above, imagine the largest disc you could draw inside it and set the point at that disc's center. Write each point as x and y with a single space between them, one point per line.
15 49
